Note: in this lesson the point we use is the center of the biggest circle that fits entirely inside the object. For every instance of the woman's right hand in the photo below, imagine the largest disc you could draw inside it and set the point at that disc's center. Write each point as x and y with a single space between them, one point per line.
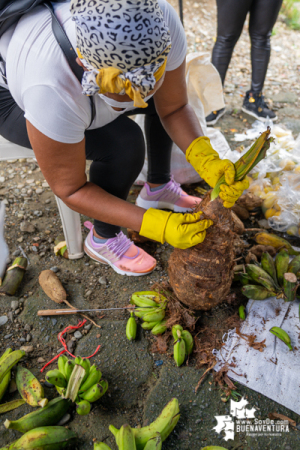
179 230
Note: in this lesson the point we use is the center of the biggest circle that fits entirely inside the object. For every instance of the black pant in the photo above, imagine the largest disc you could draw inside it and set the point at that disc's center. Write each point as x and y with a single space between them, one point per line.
231 18
117 150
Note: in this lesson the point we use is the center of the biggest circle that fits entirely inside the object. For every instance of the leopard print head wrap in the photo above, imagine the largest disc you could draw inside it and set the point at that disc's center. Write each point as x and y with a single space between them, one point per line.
124 44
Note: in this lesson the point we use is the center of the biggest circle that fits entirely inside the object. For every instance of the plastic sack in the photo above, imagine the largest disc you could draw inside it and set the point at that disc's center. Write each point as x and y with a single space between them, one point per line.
205 94
276 179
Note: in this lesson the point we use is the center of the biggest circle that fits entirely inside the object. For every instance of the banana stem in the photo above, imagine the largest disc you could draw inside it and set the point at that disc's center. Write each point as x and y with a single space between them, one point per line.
248 161
74 383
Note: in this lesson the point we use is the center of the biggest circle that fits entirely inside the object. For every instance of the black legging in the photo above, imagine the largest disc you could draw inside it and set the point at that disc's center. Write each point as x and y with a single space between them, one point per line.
117 150
231 18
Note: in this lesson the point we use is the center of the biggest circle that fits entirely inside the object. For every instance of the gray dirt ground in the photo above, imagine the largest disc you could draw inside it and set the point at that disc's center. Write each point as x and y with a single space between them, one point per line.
140 382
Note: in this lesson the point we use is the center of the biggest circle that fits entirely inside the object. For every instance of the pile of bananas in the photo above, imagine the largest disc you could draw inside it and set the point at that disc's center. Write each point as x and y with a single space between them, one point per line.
7 361
271 278
28 386
149 437
183 344
79 381
45 438
151 308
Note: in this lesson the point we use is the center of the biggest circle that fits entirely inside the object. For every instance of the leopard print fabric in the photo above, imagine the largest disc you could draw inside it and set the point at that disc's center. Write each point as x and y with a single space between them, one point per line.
141 78
129 35
124 34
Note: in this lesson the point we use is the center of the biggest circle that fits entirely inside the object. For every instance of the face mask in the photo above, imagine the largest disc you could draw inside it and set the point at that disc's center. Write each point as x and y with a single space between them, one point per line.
123 105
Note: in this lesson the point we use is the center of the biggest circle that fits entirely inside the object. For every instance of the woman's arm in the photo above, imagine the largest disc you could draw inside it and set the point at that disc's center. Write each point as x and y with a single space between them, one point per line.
63 166
177 116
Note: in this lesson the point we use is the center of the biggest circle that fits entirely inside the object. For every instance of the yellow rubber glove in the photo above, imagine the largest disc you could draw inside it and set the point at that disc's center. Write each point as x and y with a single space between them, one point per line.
230 194
210 167
207 163
179 230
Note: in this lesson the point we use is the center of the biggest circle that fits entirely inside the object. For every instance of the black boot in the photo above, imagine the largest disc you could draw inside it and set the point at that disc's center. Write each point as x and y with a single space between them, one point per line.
214 116
255 106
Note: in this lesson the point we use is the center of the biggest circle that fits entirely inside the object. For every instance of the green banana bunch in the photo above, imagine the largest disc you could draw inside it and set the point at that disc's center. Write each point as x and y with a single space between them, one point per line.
56 378
151 308
93 378
9 406
144 299
276 278
5 382
179 352
101 446
155 316
49 415
164 424
290 286
29 387
85 363
142 311
154 443
95 392
267 264
243 278
147 298
131 328
281 263
176 328
159 327
294 265
45 438
257 292
125 439
83 408
189 341
68 368
148 325
8 361
260 276
61 362
281 334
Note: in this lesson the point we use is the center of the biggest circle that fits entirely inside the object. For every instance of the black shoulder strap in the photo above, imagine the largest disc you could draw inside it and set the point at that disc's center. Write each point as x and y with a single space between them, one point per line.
69 52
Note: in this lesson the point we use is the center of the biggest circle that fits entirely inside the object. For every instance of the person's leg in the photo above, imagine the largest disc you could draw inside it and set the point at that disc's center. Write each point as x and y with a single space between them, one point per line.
12 120
231 15
161 191
117 151
159 145
263 15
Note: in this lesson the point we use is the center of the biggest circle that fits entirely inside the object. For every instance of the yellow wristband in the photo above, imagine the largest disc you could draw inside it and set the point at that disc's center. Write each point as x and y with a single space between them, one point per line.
154 224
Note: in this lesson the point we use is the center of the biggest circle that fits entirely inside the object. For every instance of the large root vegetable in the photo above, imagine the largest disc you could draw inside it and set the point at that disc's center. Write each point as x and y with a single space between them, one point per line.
52 286
201 276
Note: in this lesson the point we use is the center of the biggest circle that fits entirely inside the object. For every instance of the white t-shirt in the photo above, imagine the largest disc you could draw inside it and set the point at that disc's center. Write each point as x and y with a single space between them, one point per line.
43 84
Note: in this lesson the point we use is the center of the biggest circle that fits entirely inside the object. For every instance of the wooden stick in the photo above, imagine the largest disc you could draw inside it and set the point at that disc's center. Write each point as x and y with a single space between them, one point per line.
83 315
56 312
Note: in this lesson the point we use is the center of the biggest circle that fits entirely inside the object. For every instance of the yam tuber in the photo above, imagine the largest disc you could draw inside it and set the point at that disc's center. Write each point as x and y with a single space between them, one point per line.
201 276
52 286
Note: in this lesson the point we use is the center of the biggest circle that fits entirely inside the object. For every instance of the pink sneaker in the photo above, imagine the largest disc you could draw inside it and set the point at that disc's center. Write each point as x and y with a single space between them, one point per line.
170 197
121 254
